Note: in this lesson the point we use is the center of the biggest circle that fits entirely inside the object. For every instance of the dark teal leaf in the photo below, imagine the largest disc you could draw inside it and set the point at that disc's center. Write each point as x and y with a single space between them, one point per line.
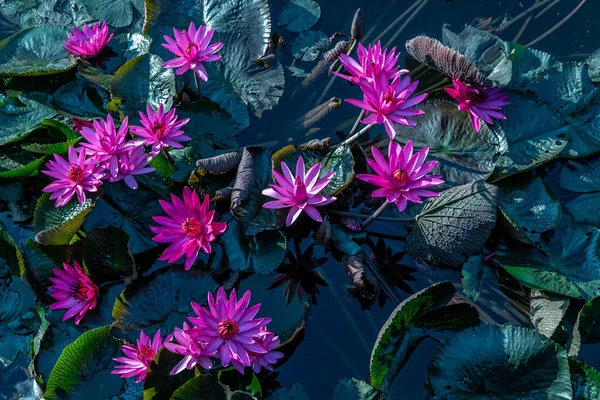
28 169
159 384
308 45
117 14
593 63
547 312
201 387
589 321
299 15
50 148
59 225
10 255
81 99
292 392
585 381
354 389
343 241
19 116
107 256
62 14
474 272
581 176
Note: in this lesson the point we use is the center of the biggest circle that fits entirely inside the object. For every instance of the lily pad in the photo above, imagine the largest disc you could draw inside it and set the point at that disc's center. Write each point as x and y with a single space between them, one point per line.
454 226
299 15
308 45
63 14
585 381
528 65
19 116
29 169
477 363
201 387
581 176
424 314
584 132
35 51
107 256
158 383
355 389
117 14
474 273
81 99
59 225
547 312
10 255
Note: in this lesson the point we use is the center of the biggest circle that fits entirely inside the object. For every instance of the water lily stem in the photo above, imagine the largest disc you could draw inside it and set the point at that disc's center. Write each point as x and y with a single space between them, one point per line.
555 27
376 214
405 24
555 2
357 123
523 15
196 81
358 134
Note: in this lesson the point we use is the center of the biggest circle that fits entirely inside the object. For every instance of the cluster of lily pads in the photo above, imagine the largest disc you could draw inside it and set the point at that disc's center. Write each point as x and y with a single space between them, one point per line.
493 148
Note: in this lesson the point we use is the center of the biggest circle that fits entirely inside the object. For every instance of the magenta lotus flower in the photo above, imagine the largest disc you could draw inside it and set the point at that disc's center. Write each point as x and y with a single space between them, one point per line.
89 42
79 124
372 63
403 176
300 192
105 143
73 290
74 176
131 163
481 103
229 328
389 103
160 130
138 357
270 342
192 50
194 352
189 227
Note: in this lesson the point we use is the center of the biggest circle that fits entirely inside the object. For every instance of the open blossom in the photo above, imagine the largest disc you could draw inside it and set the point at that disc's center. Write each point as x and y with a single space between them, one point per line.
372 63
192 49
73 290
300 192
482 104
105 143
132 162
403 176
160 129
89 42
194 352
189 227
138 357
72 176
229 328
270 342
389 102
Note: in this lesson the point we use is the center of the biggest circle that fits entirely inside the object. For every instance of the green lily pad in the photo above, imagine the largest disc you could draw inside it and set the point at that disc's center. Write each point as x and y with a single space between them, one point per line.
63 14
49 149
454 226
158 383
589 321
262 252
81 99
355 389
479 362
463 155
308 45
10 255
568 263
424 314
81 363
19 116
107 256
548 311
35 51
528 65
201 387
28 169
299 15
40 260
161 300
117 14
59 225
585 381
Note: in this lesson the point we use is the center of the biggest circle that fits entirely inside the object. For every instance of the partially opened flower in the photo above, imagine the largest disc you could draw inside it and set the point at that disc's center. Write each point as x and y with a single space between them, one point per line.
89 42
132 162
229 328
193 49
73 291
74 176
300 192
270 342
105 143
160 129
372 63
194 352
189 227
138 357
481 103
389 102
403 177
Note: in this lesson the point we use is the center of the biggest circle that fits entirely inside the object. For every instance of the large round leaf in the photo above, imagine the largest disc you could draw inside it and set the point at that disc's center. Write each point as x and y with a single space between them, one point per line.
115 13
81 99
299 15
19 116
159 384
308 45
454 226
500 362
424 314
585 380
63 14
59 225
354 389
581 176
35 51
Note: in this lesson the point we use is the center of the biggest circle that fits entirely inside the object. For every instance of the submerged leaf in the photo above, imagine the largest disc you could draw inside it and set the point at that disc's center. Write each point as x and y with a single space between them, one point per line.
19 116
201 387
308 45
115 13
299 15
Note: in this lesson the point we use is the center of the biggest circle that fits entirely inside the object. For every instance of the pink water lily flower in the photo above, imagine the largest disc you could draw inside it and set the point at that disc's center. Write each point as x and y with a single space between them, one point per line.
389 103
73 290
481 103
89 42
160 129
79 124
132 162
189 227
194 352
105 143
300 192
403 177
372 62
193 49
138 357
74 176
229 328
270 342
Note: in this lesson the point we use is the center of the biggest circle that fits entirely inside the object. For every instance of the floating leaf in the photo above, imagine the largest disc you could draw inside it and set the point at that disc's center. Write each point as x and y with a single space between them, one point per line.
585 208
299 15
61 13
584 132
585 381
547 311
424 314
19 116
117 14
161 300
59 225
528 65
201 387
478 363
588 322
454 226
159 384
308 45
107 256
463 155
262 252
581 176
81 99
50 149
354 389
81 362
28 169
10 255
593 63
474 272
